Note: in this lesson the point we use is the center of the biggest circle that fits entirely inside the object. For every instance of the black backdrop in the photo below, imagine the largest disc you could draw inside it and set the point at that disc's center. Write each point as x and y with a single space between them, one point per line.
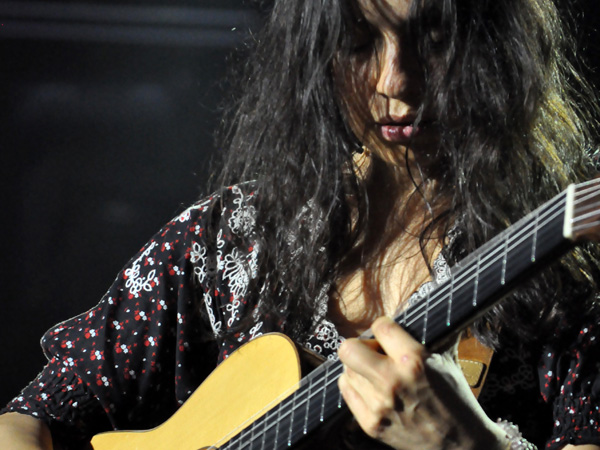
106 123
106 132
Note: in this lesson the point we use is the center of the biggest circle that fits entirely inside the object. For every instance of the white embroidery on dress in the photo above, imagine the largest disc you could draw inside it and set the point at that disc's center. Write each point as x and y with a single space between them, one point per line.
199 259
220 245
441 270
255 331
329 335
441 274
233 310
237 267
234 270
253 261
215 324
243 217
186 215
135 283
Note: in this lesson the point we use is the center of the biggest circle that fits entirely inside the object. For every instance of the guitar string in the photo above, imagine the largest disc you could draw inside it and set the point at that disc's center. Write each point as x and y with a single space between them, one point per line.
587 225
412 321
236 439
587 186
237 432
316 392
584 196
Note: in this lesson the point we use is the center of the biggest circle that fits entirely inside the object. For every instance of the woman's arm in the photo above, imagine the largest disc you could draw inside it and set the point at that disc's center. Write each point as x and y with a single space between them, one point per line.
582 447
22 432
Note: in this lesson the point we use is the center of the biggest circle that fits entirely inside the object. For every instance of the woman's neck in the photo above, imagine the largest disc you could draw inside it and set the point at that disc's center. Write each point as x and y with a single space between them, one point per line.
391 259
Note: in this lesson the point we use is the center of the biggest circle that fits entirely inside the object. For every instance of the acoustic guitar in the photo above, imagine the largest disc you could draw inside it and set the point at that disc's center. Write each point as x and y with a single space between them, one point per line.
272 407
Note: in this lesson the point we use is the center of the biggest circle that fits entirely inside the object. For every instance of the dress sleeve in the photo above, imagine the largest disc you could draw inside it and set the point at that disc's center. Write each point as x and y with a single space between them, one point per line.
130 361
570 379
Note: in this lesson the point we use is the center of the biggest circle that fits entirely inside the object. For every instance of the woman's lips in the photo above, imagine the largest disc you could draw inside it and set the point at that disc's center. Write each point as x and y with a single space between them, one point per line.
399 132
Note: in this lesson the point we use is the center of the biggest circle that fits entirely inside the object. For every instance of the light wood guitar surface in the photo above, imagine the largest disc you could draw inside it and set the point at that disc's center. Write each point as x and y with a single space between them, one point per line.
240 390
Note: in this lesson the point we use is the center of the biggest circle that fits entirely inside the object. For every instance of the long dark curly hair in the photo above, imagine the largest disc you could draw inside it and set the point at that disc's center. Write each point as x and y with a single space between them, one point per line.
507 101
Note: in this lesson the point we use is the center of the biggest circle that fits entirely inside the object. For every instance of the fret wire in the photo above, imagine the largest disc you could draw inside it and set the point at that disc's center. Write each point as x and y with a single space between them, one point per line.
289 443
324 395
476 283
417 310
450 301
304 428
277 424
242 439
264 434
504 261
535 231
252 437
423 339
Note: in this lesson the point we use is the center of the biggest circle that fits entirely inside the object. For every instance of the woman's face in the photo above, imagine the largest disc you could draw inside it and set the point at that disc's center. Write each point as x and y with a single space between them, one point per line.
380 82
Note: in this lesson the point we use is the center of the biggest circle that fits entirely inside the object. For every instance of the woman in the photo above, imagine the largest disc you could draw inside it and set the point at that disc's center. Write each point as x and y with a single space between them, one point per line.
380 142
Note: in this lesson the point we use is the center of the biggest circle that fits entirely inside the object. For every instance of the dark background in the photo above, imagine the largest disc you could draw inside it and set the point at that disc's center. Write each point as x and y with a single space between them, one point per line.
106 132
106 119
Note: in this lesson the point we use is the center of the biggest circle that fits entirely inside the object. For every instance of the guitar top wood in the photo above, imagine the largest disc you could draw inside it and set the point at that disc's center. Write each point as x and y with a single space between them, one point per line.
239 391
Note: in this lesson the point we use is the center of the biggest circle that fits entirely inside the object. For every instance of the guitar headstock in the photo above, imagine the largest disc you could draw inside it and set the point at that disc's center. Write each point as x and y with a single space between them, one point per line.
582 211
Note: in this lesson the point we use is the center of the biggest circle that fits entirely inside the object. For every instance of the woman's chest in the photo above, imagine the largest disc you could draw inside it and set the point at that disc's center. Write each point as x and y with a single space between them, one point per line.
373 291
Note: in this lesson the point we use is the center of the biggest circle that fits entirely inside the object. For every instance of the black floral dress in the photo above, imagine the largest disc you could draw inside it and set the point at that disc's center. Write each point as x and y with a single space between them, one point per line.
132 360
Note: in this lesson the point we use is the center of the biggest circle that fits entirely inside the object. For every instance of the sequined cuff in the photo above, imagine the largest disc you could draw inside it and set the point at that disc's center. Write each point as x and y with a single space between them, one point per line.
516 441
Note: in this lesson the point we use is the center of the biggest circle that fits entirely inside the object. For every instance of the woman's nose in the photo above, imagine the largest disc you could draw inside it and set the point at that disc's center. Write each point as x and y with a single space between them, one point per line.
394 69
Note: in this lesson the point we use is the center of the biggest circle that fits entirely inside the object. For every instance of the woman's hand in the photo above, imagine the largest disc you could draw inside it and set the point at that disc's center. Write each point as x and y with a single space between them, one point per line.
405 397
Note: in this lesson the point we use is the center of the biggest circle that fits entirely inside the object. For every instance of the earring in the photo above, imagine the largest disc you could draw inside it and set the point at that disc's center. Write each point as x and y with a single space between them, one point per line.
362 161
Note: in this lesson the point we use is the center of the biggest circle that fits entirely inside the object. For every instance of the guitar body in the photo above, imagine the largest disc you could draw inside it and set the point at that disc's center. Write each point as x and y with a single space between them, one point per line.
240 390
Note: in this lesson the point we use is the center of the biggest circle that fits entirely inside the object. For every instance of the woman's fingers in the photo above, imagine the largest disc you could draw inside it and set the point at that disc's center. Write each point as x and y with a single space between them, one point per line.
379 373
362 356
392 358
374 383
396 342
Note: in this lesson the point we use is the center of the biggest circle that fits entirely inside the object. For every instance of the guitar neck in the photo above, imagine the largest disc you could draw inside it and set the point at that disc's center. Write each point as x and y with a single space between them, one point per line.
475 285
